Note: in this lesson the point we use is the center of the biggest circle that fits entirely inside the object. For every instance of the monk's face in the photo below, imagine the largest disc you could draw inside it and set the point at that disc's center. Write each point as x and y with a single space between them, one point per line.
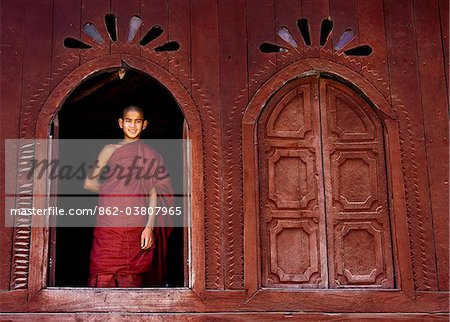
132 124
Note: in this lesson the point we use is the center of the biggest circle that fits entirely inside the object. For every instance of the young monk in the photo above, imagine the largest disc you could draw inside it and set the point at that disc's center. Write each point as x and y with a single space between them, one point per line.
126 242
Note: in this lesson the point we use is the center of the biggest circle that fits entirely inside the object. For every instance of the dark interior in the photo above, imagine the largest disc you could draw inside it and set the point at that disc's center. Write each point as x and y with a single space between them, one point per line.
91 112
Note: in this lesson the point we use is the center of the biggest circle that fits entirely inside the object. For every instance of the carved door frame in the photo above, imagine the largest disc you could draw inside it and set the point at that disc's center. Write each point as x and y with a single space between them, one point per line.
399 226
39 241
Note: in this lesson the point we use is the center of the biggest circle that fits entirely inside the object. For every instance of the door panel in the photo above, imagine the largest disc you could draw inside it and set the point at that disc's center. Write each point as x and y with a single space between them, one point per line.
324 218
359 242
292 204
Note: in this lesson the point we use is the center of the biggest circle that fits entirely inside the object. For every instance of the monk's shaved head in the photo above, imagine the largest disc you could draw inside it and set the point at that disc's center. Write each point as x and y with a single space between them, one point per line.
133 108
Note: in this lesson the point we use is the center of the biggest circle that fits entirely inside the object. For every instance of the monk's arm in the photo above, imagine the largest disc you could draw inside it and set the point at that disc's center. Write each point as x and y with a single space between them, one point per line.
147 233
91 182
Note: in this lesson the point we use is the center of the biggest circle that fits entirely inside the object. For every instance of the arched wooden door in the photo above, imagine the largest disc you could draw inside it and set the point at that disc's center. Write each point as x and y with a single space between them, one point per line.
324 213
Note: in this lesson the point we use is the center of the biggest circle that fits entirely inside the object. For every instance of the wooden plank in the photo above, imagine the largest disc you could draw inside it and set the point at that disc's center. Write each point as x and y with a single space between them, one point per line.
11 56
35 80
434 110
37 60
124 10
175 300
66 23
444 18
371 31
404 78
205 74
94 11
287 13
233 99
155 13
260 28
251 316
344 14
179 22
315 12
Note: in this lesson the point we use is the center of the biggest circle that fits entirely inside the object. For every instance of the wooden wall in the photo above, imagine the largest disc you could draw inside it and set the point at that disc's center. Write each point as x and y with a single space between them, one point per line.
222 68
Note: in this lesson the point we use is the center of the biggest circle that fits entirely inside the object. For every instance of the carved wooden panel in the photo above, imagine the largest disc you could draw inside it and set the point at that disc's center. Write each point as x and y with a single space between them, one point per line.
290 118
292 207
324 217
298 237
294 170
359 241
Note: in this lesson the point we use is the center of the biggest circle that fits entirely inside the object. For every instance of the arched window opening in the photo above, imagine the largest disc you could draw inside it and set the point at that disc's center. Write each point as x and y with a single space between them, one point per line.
91 112
324 212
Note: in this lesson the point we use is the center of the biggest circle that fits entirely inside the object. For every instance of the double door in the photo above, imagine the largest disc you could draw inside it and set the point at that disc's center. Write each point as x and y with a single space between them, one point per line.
324 212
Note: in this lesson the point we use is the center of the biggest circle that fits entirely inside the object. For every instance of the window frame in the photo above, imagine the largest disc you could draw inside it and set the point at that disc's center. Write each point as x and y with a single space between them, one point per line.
399 229
132 299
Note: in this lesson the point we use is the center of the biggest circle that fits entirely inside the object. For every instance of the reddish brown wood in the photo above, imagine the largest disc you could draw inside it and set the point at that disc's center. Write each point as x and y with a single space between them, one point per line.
94 11
358 224
287 13
444 19
250 168
66 23
251 316
434 111
155 13
11 40
205 74
336 301
371 28
415 32
292 211
36 71
399 220
404 78
260 28
315 12
292 216
53 202
124 10
344 14
179 22
233 65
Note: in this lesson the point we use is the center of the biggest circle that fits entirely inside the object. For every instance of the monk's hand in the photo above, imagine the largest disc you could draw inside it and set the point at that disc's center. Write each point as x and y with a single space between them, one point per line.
147 238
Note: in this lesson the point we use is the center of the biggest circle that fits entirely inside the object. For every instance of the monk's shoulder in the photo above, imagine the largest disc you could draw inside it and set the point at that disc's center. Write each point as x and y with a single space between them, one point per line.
107 150
150 152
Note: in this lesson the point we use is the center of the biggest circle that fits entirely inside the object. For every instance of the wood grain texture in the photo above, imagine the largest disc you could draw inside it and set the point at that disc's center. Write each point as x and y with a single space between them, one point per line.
287 13
444 19
205 90
66 23
371 28
36 81
250 316
155 13
94 11
260 28
183 300
180 31
344 14
315 12
233 99
434 103
405 89
124 10
11 41
37 62
220 64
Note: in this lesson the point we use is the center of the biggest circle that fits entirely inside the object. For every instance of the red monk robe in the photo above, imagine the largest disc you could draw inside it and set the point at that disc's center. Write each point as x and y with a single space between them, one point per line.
117 259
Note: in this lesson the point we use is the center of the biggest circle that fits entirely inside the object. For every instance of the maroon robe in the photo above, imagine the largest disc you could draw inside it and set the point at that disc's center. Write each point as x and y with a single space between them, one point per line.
117 259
